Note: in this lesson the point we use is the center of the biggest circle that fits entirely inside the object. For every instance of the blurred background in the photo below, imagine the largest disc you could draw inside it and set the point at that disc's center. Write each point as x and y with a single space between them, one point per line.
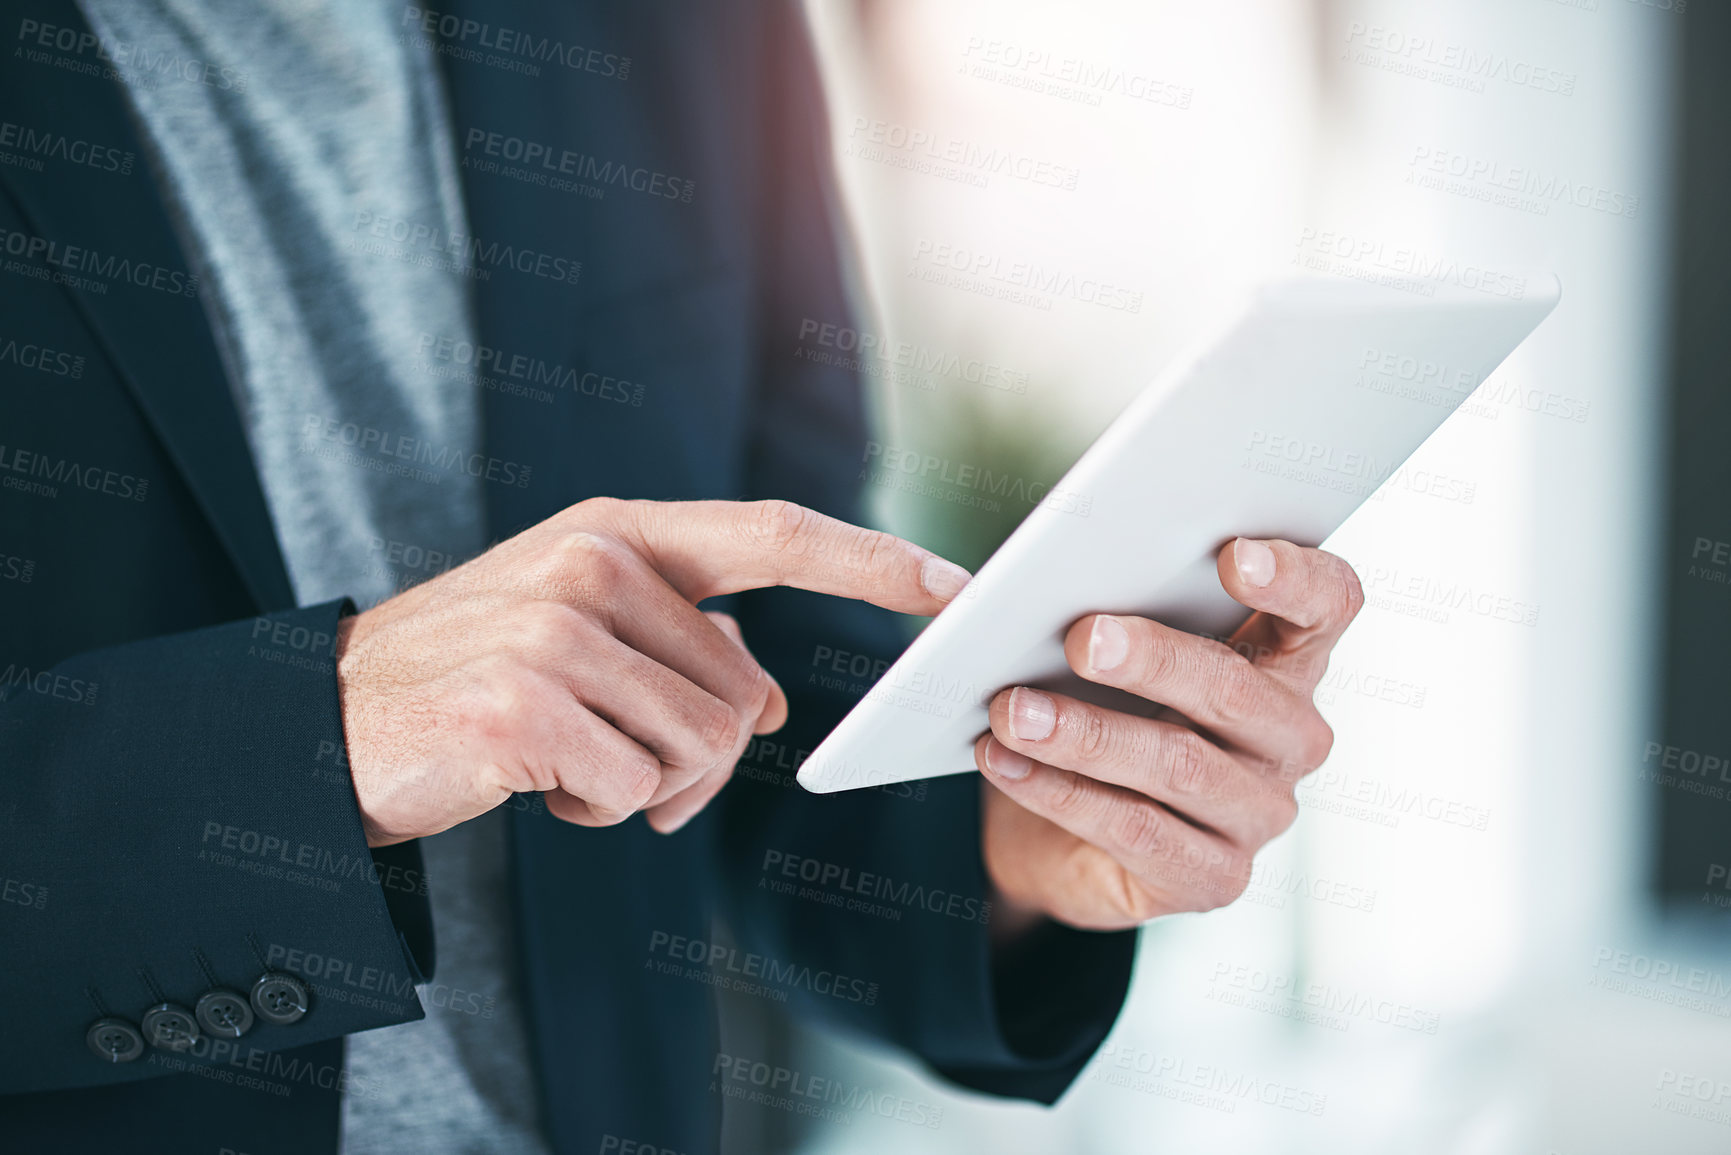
1526 803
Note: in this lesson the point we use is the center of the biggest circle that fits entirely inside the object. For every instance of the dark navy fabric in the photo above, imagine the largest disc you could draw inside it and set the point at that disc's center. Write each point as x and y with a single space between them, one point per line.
177 812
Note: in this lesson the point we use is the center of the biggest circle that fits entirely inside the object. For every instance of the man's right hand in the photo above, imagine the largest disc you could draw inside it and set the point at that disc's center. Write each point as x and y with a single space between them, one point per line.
572 660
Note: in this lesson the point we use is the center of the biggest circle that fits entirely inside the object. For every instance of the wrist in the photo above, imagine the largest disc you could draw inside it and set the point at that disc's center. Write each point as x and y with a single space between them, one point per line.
1012 918
362 780
1015 915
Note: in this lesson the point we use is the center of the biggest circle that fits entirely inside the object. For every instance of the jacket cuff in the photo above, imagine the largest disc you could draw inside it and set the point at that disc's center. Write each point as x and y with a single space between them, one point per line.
1053 995
218 841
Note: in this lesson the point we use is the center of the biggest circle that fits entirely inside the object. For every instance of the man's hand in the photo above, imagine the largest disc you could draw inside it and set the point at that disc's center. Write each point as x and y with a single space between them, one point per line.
572 660
1104 820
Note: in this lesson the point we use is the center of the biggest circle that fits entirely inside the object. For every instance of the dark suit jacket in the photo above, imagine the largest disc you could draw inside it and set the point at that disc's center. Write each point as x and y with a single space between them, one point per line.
177 814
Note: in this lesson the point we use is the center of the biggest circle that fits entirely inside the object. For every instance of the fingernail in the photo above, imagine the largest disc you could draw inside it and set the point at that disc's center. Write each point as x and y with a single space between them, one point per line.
1108 643
1006 763
1254 560
1032 714
943 579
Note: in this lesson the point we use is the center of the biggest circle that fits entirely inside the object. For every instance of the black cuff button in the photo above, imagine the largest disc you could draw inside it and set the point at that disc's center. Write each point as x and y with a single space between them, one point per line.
279 998
170 1026
224 1013
114 1040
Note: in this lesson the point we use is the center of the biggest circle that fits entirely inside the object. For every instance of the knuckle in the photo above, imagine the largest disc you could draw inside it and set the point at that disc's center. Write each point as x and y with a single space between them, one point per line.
1316 741
637 778
1287 771
1354 590
1159 664
1067 796
776 525
586 557
498 707
1345 593
1190 768
716 726
1137 829
875 553
602 507
746 680
758 696
1092 734
541 622
1238 687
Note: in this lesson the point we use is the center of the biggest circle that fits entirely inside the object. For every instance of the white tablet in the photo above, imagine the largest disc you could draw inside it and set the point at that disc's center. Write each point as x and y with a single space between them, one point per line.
1278 425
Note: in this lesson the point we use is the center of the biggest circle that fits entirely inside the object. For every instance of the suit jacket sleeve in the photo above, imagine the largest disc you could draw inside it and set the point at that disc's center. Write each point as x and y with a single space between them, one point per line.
178 816
881 891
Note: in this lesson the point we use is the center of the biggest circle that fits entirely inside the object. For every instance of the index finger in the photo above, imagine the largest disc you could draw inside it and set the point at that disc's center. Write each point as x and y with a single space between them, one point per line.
1305 597
708 548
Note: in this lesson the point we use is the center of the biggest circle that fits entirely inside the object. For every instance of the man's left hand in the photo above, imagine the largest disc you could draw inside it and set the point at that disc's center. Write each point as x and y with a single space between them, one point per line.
1104 820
